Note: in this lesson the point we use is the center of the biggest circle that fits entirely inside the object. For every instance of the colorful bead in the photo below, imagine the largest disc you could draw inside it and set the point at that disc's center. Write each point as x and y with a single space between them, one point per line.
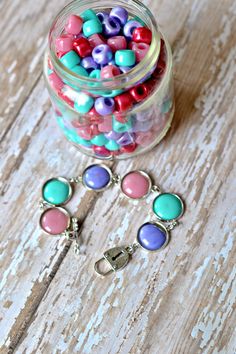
85 132
104 105
54 221
102 15
168 207
64 43
101 151
121 127
142 35
79 70
106 125
136 185
152 236
82 47
91 27
125 57
102 54
112 145
120 14
111 27
74 24
129 28
95 74
96 177
117 43
83 103
55 81
140 50
109 71
88 15
56 191
89 64
128 149
139 92
111 135
70 59
99 140
123 102
96 39
125 139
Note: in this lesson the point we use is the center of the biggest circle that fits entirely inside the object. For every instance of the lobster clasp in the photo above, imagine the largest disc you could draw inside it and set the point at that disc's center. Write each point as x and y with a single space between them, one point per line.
117 258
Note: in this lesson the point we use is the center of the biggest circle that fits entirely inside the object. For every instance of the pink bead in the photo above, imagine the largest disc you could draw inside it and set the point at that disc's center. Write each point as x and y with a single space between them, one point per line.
74 24
54 221
135 185
64 43
55 81
106 125
140 50
88 132
96 39
109 71
101 150
145 139
117 43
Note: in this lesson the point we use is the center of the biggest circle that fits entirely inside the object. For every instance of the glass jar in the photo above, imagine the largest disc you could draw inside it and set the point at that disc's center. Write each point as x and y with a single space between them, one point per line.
122 134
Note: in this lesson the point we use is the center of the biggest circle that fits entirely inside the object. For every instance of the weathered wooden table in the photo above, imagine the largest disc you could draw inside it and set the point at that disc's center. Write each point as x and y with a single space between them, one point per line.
179 301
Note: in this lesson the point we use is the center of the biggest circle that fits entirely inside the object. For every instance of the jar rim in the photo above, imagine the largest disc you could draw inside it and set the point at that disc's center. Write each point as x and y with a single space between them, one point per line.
121 81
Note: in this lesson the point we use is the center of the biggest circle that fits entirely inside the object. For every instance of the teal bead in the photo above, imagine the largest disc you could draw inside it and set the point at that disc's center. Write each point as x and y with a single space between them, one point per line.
79 70
125 57
99 140
95 74
92 27
88 15
168 207
56 191
119 127
110 93
83 103
112 145
72 136
70 59
136 18
60 122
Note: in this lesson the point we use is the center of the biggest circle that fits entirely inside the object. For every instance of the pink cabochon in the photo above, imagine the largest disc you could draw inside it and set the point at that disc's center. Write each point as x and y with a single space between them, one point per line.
54 221
135 185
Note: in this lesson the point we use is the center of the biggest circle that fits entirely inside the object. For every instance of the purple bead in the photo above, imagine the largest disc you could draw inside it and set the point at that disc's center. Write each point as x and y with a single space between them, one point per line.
89 64
111 27
126 139
104 105
120 14
130 27
102 54
96 177
113 135
142 126
151 236
102 15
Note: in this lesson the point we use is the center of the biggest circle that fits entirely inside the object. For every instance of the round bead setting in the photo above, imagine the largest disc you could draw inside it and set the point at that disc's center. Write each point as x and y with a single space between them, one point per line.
168 207
97 177
153 236
54 221
136 185
57 191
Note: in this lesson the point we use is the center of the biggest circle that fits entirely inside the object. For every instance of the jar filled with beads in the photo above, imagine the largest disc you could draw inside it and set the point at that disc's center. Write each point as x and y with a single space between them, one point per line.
108 71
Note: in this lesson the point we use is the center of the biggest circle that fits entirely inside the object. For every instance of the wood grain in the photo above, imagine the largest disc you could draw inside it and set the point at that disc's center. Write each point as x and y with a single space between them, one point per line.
181 300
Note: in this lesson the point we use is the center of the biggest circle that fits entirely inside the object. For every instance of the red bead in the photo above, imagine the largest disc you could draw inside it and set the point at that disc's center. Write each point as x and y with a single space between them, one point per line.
66 99
101 150
96 39
128 148
140 92
82 47
123 102
160 69
142 35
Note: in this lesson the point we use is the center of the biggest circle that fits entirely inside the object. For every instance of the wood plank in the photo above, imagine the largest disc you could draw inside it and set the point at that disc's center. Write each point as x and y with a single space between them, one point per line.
179 302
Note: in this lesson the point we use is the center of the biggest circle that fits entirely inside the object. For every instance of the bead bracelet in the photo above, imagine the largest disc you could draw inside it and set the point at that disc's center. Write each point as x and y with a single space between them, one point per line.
135 185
